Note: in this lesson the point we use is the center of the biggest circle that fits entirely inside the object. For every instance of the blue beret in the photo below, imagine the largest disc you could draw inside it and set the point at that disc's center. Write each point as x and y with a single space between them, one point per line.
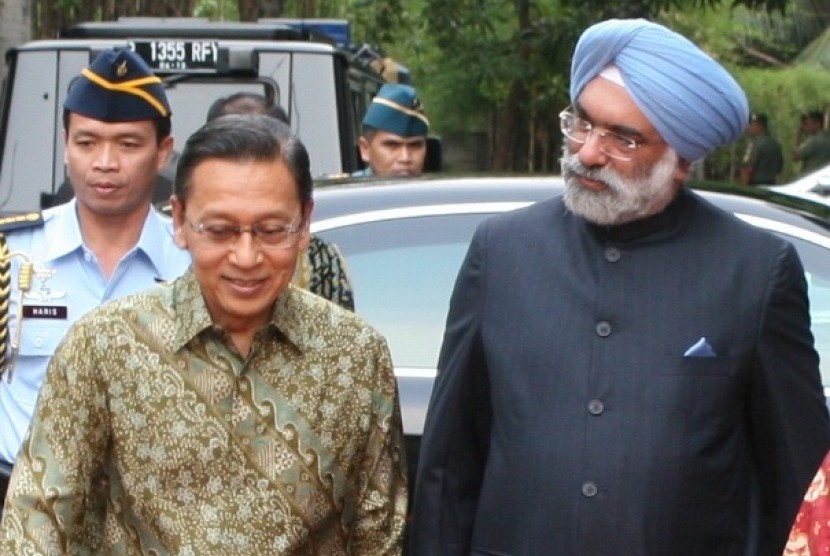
118 87
687 96
397 109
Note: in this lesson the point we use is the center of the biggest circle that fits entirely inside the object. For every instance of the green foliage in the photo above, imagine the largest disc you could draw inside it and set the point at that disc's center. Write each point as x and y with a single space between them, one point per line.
482 64
757 48
716 31
604 9
67 5
785 94
378 23
482 50
219 10
479 51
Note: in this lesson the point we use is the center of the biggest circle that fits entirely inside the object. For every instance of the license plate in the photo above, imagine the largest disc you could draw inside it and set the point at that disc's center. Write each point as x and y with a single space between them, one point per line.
179 55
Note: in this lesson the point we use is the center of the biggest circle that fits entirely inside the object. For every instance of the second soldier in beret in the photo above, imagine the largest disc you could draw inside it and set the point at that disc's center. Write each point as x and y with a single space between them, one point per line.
105 243
393 141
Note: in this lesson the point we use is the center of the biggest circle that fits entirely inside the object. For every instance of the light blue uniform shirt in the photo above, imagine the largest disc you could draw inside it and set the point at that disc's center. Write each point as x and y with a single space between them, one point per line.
68 283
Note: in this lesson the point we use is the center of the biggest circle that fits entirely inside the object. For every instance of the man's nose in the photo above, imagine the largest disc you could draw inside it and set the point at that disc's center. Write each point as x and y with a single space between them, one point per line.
406 152
107 158
590 153
245 251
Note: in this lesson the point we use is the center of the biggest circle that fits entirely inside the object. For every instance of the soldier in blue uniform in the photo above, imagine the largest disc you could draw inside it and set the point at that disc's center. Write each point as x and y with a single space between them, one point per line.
105 243
393 141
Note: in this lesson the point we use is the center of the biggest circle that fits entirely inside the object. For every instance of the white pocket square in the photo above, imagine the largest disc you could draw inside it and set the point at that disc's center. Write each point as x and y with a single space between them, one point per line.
701 348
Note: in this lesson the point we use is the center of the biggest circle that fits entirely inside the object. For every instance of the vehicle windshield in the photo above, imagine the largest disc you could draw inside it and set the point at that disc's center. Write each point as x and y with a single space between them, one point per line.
191 96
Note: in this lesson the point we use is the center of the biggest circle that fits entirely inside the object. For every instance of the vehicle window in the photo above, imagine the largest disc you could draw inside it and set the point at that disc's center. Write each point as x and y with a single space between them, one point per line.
819 287
403 272
817 271
190 100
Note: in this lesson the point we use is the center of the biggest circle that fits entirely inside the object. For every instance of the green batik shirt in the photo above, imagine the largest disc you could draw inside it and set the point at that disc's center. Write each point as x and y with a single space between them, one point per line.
153 436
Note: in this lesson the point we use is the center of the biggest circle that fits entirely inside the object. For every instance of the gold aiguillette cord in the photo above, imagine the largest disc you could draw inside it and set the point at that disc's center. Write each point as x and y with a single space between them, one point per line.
24 284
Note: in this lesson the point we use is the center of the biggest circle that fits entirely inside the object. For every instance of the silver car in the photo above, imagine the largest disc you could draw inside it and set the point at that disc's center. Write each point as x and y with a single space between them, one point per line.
814 186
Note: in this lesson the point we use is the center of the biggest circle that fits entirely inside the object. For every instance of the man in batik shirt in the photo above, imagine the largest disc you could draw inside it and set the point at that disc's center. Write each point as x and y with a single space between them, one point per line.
227 412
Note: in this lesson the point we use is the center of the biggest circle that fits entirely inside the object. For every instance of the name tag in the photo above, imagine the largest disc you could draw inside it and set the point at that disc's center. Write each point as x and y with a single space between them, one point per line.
45 312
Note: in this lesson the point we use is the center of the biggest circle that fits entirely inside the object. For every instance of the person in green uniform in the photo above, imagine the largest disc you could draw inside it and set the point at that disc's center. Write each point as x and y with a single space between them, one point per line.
814 151
763 159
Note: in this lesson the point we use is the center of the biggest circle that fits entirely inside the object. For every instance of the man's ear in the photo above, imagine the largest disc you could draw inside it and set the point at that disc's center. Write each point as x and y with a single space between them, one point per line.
165 148
681 171
363 145
177 213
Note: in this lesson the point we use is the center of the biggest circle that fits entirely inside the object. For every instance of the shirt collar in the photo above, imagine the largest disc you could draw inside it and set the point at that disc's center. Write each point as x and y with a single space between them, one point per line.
67 231
191 313
667 222
156 234
157 239
288 316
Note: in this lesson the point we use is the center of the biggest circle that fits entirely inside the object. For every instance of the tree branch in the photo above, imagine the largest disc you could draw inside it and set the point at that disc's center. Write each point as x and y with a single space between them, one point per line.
763 56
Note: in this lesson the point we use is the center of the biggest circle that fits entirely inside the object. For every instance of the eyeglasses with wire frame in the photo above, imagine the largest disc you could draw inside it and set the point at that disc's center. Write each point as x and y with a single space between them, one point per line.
614 144
267 234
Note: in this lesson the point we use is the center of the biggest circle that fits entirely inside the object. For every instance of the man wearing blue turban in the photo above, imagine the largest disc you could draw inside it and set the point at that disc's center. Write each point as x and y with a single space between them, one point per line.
626 369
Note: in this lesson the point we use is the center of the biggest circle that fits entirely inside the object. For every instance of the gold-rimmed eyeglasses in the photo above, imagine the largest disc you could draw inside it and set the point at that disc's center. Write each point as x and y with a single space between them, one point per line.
579 130
267 234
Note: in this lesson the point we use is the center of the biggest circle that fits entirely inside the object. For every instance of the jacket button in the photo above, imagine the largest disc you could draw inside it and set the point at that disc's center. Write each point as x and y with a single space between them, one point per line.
589 489
596 407
603 328
612 254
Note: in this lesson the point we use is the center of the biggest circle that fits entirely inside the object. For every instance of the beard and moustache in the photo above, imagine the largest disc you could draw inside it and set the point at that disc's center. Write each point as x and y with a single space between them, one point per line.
625 199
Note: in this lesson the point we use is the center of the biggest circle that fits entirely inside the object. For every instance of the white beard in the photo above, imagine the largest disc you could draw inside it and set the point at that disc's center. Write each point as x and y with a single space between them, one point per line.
625 199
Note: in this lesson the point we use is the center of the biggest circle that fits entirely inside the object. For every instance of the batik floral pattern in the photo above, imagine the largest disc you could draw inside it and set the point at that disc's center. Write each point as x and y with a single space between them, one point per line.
810 534
153 436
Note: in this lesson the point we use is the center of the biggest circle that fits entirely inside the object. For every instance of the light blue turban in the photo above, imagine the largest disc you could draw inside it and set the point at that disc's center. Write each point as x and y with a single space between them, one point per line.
687 96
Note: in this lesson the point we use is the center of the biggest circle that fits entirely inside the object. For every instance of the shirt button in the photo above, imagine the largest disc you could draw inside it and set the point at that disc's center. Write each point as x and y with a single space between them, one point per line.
612 254
39 342
603 328
596 407
589 489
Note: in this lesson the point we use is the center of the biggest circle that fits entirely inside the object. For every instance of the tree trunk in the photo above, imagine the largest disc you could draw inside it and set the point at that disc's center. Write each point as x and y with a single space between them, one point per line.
48 19
511 138
505 140
271 8
248 10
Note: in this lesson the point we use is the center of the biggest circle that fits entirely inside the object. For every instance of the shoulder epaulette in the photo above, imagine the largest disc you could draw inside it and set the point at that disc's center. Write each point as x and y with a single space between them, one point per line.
18 221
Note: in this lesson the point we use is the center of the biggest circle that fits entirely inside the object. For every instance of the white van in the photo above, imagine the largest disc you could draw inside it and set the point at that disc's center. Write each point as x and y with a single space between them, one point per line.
323 87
